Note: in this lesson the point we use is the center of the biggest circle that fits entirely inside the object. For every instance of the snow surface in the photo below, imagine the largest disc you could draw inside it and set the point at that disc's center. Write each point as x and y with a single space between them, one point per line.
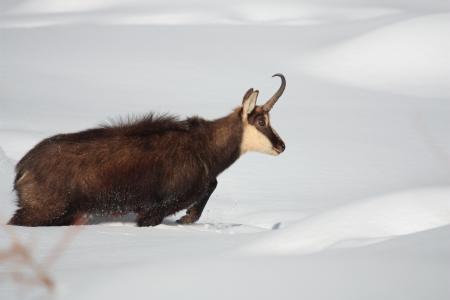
410 57
357 207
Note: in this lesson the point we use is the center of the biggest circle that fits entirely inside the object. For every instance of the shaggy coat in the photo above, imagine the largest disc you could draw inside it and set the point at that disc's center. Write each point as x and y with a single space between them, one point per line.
154 167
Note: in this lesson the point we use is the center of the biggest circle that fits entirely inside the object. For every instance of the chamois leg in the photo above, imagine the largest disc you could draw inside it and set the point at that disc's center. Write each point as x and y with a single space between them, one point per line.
28 217
21 218
69 218
194 212
149 218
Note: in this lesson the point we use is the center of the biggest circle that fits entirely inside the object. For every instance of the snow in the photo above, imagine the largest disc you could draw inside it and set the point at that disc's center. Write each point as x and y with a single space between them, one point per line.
6 174
388 270
357 207
362 223
40 13
410 57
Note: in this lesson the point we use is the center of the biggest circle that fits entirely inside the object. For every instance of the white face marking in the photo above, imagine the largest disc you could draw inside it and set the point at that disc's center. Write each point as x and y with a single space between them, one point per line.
254 140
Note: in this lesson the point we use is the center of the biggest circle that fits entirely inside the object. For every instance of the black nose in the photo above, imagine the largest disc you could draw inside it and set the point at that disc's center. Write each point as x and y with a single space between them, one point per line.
281 146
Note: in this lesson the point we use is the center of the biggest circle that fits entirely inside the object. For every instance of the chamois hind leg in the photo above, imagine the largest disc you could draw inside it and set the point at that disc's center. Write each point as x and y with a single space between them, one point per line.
195 211
37 206
21 218
29 217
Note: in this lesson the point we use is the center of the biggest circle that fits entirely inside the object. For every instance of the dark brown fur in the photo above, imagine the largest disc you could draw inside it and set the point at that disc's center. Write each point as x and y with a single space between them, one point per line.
154 167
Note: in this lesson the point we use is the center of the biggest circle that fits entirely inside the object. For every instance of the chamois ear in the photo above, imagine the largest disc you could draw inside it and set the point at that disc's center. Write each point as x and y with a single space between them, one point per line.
247 94
249 103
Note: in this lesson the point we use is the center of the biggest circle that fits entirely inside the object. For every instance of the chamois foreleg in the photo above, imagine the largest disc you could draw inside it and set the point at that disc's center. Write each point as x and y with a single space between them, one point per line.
149 217
195 211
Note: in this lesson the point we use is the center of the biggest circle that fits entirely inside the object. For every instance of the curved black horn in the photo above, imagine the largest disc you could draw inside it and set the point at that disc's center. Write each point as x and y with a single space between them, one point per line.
271 102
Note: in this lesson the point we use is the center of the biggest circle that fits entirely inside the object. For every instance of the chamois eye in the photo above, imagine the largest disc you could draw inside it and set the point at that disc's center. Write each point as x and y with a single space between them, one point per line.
261 122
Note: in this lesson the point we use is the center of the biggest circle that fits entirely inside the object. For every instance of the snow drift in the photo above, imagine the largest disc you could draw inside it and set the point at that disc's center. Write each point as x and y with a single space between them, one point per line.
409 57
7 197
42 13
362 223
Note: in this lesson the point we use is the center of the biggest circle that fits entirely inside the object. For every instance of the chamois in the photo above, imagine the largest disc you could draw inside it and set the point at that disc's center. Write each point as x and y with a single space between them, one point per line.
154 166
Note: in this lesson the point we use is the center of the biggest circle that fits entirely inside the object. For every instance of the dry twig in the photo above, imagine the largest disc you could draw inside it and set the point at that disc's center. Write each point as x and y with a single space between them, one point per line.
25 269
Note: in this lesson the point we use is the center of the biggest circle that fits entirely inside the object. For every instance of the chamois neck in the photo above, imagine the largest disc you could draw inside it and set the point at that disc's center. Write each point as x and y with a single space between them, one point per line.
225 141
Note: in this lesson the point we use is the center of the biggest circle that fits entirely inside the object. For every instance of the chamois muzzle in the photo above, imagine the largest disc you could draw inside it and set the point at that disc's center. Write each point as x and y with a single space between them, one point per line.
280 146
271 102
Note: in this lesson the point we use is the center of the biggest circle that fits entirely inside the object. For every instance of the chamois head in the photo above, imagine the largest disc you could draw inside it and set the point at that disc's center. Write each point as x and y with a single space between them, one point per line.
258 133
